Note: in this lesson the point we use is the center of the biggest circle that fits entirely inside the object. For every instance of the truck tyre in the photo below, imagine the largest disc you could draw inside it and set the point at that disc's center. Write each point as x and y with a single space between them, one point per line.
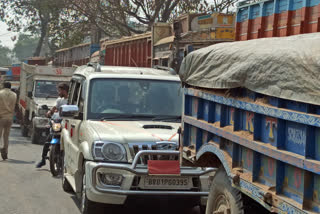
24 130
86 206
223 198
35 137
65 183
24 124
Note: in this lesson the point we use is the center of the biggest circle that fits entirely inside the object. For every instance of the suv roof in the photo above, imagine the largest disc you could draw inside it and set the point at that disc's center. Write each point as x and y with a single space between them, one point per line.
120 71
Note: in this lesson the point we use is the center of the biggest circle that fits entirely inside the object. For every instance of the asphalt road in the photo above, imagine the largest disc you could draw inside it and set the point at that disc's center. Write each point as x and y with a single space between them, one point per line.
27 190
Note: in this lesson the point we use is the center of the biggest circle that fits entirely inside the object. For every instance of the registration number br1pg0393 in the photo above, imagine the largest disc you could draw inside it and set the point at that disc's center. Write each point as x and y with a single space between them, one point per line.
159 182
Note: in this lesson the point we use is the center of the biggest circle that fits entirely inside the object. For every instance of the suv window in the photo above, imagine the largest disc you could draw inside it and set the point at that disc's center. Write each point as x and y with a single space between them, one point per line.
76 96
134 97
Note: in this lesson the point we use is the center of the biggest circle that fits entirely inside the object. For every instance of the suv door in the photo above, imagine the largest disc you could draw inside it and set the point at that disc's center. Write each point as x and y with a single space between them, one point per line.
73 124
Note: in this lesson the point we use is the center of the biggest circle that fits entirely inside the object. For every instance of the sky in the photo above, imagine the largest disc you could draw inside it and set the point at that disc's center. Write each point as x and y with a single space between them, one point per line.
5 36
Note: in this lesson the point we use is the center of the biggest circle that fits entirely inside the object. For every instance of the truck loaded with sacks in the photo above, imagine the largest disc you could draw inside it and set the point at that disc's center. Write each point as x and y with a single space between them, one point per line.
252 111
38 92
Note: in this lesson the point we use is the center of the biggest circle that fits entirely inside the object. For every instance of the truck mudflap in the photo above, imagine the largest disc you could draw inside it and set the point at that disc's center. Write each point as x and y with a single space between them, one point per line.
141 171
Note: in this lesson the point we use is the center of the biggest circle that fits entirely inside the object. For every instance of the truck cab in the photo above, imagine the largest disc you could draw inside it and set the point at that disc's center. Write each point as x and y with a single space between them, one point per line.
120 137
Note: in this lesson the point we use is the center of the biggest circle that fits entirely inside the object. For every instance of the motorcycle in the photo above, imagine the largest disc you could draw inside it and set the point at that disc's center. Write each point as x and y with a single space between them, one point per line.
55 157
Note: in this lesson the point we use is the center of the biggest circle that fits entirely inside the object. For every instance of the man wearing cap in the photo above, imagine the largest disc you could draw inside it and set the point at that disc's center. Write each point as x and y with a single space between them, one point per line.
7 106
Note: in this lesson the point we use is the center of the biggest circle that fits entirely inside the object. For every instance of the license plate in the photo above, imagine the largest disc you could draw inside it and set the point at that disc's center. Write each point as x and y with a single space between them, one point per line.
156 182
44 134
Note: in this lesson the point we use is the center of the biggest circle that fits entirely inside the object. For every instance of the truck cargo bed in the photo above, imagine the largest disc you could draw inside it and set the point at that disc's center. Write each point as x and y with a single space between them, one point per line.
271 144
272 18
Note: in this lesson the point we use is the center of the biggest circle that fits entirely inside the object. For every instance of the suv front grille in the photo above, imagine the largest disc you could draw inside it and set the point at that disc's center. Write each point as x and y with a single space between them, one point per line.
136 147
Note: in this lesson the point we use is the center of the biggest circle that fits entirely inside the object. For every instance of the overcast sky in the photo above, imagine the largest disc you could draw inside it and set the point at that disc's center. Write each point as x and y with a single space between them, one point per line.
5 36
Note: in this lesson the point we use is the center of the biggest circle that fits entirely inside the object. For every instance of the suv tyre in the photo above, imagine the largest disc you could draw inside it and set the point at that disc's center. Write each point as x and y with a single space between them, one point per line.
86 206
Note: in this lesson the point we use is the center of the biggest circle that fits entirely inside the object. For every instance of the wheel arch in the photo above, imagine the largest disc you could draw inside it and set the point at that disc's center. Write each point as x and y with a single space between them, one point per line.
84 150
211 156
79 173
64 135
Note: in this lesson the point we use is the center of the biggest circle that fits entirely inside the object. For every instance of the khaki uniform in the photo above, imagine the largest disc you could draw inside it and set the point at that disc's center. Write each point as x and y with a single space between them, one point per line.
7 107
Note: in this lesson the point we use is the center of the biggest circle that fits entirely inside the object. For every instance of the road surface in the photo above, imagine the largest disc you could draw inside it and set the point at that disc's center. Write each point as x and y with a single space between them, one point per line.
27 190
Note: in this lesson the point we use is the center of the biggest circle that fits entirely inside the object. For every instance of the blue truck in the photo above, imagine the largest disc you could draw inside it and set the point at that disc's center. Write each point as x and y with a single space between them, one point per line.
252 111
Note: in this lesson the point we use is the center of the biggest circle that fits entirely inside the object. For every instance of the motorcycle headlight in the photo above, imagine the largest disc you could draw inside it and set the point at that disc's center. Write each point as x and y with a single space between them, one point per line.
56 127
109 151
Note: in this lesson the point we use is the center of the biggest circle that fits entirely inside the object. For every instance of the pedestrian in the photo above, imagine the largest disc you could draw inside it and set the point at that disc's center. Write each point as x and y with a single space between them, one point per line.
7 106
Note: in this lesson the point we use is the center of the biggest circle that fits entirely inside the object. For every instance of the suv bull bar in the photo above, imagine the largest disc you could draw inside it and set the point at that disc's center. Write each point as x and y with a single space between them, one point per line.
138 170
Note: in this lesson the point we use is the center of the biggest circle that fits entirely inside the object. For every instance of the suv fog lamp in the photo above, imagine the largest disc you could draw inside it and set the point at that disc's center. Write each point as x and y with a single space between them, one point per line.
110 179
56 127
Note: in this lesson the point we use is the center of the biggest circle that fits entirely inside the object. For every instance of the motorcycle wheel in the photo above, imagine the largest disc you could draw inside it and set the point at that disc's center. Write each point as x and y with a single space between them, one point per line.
55 160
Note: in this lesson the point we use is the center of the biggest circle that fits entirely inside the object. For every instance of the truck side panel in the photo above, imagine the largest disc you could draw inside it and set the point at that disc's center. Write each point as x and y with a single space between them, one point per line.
271 18
132 51
272 144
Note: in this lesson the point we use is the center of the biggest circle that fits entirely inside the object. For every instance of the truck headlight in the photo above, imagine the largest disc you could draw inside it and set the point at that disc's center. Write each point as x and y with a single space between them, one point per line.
109 151
56 127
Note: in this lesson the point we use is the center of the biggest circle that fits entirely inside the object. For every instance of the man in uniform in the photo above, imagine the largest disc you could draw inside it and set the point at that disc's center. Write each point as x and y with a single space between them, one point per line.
7 107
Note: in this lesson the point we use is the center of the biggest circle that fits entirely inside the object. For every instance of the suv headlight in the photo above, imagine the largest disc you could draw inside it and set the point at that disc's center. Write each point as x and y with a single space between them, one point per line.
109 151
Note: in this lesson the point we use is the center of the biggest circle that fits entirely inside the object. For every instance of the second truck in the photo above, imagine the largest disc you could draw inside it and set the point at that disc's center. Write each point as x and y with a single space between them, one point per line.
37 93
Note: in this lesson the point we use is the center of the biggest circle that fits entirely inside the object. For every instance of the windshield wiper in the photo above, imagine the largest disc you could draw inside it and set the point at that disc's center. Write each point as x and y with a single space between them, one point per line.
51 96
167 118
126 116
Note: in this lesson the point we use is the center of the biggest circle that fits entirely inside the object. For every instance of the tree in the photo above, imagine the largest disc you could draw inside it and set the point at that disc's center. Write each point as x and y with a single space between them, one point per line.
38 17
25 46
5 56
112 16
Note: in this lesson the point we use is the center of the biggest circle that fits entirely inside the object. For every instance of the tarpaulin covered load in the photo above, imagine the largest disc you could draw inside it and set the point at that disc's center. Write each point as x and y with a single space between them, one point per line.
286 67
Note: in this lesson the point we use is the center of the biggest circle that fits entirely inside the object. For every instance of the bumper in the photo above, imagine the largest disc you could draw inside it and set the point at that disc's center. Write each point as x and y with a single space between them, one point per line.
40 122
132 175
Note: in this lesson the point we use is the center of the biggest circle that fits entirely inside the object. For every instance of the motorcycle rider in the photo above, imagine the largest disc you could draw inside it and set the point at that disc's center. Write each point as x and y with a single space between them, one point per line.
63 89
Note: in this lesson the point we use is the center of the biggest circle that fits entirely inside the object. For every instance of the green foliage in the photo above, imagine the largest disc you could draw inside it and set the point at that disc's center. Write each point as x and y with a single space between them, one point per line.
40 17
25 46
5 56
112 16
64 23
72 39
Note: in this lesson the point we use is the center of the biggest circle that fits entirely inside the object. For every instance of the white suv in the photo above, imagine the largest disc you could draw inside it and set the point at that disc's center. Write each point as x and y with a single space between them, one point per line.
120 122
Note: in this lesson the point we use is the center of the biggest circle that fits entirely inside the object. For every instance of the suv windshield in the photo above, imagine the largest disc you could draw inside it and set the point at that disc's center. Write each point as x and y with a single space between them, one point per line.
134 99
46 89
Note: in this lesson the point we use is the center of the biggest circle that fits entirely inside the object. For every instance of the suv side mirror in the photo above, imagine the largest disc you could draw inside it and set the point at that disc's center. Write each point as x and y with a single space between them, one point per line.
69 111
29 94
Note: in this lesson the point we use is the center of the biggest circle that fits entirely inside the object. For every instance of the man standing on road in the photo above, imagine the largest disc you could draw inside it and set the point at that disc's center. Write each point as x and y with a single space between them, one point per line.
7 107
63 89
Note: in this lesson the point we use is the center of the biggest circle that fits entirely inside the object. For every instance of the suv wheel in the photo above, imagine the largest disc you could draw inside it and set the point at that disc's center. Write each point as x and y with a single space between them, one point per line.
86 206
